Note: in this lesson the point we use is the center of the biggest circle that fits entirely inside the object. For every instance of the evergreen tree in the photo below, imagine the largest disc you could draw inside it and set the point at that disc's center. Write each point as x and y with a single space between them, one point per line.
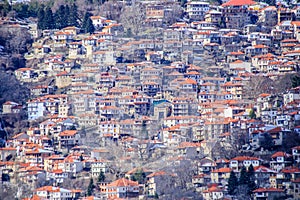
232 183
67 14
81 158
90 187
22 10
60 17
41 18
101 177
85 22
89 26
73 16
49 19
252 114
251 179
266 141
243 176
34 7
295 81
139 176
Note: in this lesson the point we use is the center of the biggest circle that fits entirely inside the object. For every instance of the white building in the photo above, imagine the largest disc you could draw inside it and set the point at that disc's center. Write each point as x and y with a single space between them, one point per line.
35 108
197 9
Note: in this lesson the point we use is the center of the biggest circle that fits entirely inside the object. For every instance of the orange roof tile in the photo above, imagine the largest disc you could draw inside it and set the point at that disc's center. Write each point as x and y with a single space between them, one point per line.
242 158
238 3
123 182
268 190
222 170
68 133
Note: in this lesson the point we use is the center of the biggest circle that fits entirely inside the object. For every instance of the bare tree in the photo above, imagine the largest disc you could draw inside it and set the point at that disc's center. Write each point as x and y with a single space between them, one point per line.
15 39
7 192
11 89
133 18
111 10
175 13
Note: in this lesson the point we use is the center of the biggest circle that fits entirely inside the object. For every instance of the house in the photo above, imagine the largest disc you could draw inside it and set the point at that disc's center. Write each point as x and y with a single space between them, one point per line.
121 188
35 108
25 74
220 175
31 175
237 163
214 17
57 176
52 193
292 95
41 90
68 139
98 166
268 193
262 175
63 79
236 14
159 182
268 16
98 21
280 160
72 165
213 192
196 10
295 188
36 156
200 182
10 107
296 154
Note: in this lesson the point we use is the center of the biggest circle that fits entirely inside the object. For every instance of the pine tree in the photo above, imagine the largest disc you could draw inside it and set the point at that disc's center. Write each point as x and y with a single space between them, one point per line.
67 14
251 179
90 187
243 176
295 81
139 176
232 183
252 114
60 17
41 18
73 17
101 177
81 158
89 26
85 22
49 19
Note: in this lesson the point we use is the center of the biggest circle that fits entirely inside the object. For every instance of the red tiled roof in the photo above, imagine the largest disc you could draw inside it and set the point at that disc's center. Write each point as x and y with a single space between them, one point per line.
238 3
222 170
68 133
268 190
242 158
280 154
123 182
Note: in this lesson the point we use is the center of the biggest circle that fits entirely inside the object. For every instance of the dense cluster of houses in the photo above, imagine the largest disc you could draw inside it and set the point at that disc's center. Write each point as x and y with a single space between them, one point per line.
155 100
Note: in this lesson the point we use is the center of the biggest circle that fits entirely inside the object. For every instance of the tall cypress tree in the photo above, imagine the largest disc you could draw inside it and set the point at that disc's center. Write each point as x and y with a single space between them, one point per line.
73 16
60 19
67 14
41 18
85 21
243 176
101 177
90 187
232 183
251 179
49 19
89 26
